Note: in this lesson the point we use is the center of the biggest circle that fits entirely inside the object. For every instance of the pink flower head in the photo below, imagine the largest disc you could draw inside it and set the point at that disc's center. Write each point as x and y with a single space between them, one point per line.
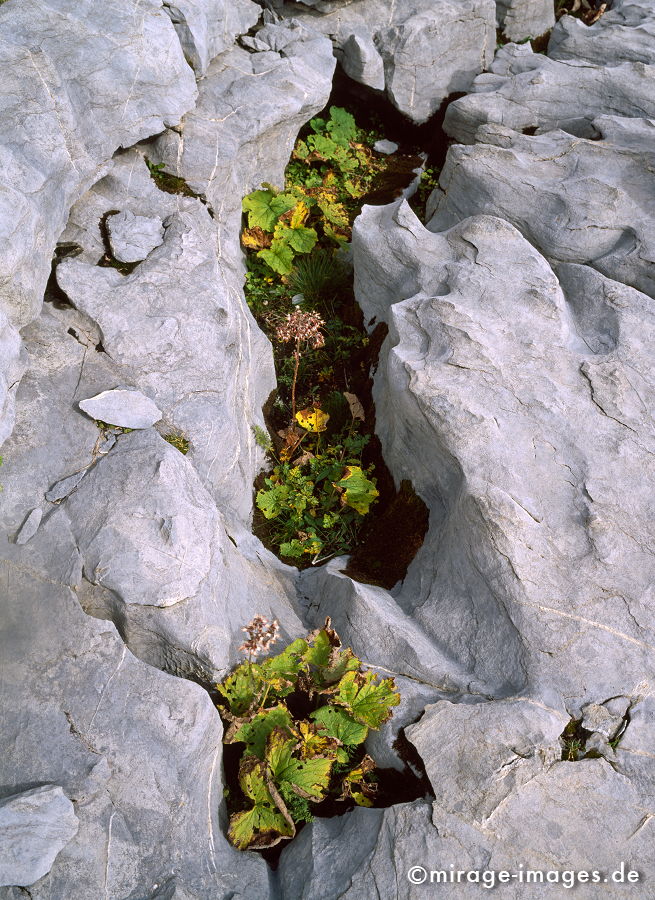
262 634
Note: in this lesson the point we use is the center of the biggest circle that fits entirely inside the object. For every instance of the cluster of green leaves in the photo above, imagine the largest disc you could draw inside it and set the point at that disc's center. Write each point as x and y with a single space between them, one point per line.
315 504
291 762
177 440
330 171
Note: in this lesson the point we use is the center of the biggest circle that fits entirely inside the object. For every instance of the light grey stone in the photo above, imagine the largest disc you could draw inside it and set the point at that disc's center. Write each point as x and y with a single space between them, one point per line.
625 32
64 487
80 82
606 182
520 19
599 718
368 619
487 751
207 28
127 186
535 570
136 750
386 147
157 559
180 331
122 407
362 62
30 525
429 48
243 127
133 237
34 826
526 90
13 362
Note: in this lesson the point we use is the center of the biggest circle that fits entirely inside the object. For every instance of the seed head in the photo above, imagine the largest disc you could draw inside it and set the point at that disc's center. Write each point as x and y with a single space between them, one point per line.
262 634
301 326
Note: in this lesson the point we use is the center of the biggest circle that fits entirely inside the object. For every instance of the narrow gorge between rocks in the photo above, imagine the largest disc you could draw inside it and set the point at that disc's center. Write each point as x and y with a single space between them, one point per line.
177 182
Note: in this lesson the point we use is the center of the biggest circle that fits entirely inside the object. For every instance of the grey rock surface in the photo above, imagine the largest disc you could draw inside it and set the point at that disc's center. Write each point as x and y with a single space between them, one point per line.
625 32
386 147
605 181
241 132
520 19
133 237
428 48
494 581
12 365
179 330
34 826
136 750
207 28
122 407
94 77
30 526
526 90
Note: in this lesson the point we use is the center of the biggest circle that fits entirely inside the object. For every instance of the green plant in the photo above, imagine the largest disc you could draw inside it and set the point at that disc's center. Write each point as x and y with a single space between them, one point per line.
302 329
165 181
315 504
301 717
177 440
319 278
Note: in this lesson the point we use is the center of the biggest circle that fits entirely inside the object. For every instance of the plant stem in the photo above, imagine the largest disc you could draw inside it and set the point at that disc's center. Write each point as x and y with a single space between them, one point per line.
296 356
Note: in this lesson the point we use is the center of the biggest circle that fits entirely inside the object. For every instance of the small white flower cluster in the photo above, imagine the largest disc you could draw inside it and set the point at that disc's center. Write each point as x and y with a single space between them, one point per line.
262 634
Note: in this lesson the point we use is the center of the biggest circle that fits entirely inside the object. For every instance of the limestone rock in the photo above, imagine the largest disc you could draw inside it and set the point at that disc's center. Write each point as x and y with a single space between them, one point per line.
30 525
125 741
526 90
249 111
181 333
12 365
78 85
625 32
133 237
361 60
34 826
577 182
428 48
520 19
123 407
533 538
207 28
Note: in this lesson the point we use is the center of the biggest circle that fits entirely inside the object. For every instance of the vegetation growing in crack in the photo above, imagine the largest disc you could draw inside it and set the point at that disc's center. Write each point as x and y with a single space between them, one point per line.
176 439
298 721
166 181
298 285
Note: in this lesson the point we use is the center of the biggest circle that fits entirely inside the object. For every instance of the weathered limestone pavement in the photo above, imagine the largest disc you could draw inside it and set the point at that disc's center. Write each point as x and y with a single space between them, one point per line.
514 390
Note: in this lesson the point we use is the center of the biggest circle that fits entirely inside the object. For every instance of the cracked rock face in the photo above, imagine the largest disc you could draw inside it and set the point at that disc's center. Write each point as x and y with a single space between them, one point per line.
419 51
526 90
78 86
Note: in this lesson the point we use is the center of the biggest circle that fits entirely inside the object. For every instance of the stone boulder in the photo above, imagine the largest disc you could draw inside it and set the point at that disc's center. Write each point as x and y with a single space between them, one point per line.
624 33
77 86
206 28
594 196
12 365
525 90
524 398
419 51
179 330
34 826
520 19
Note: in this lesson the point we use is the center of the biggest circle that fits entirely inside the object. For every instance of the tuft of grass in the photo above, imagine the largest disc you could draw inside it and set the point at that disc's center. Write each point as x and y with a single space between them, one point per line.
319 277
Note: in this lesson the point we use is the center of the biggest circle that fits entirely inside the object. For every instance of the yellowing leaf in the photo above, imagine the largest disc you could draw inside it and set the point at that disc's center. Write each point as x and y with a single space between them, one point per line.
367 700
264 825
313 419
299 215
359 492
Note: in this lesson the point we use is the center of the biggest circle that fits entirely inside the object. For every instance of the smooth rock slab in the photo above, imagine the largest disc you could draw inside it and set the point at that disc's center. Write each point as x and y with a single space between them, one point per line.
133 237
595 197
124 408
29 526
526 90
520 19
80 81
625 32
34 826
208 27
